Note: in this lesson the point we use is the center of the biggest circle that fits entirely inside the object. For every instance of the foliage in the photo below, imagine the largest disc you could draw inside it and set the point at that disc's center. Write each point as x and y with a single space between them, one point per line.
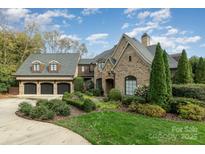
6 78
76 103
196 91
41 112
121 128
194 62
89 85
127 100
142 91
192 111
115 95
147 109
107 105
168 75
175 102
88 105
78 84
25 108
66 96
97 92
44 102
158 87
183 74
60 107
200 71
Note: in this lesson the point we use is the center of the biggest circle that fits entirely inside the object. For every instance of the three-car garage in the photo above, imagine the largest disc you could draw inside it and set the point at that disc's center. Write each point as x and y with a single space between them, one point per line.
47 88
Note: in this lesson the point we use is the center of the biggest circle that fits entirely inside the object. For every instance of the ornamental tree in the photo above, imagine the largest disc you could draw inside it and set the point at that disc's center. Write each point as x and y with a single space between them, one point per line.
183 74
158 86
168 75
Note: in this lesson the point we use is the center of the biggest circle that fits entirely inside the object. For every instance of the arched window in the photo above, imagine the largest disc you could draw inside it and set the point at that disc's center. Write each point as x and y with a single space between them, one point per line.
130 85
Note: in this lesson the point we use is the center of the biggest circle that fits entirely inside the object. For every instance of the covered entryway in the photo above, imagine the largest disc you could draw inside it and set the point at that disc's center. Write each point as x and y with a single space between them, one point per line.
30 88
109 85
46 88
63 87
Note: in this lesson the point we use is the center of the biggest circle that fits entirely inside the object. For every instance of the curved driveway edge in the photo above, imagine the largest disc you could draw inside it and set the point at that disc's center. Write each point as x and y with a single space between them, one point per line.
16 130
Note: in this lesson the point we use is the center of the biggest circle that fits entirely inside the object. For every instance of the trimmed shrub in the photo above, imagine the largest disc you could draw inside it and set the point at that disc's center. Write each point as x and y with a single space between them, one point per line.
147 109
142 91
76 103
39 112
66 96
25 108
60 107
175 102
88 105
196 91
96 92
115 95
192 112
78 84
47 115
46 103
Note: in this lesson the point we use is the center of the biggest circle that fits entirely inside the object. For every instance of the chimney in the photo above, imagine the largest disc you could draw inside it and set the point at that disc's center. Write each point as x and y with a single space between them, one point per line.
145 39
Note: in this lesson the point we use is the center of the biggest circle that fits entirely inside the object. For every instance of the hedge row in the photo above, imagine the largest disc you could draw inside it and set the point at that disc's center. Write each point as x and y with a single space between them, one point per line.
196 91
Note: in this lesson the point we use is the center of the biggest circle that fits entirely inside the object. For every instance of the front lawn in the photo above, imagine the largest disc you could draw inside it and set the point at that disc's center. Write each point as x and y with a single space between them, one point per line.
127 128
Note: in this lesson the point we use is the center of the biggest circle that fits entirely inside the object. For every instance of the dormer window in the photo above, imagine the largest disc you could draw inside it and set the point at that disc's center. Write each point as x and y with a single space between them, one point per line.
37 66
54 66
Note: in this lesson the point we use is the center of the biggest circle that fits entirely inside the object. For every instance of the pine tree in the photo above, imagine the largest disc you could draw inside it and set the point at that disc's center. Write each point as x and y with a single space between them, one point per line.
183 74
200 71
158 89
168 75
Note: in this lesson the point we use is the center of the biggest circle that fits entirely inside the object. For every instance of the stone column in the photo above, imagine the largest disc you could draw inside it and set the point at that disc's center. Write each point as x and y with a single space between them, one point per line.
71 87
55 88
21 87
38 86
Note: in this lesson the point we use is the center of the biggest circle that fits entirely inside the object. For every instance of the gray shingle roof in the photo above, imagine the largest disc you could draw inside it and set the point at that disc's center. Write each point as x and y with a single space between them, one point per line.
68 61
146 52
86 61
172 62
104 55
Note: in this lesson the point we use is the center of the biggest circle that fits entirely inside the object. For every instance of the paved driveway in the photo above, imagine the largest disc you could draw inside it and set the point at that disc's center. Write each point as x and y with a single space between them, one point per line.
16 130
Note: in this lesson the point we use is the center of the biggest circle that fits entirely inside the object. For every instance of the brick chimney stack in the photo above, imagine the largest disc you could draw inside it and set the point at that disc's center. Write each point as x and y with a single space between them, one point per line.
145 39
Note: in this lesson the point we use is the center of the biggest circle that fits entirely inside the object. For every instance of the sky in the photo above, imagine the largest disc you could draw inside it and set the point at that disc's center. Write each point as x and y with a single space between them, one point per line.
101 29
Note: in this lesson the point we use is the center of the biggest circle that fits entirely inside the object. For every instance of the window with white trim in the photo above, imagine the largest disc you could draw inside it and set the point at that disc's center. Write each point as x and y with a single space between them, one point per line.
130 85
36 67
53 67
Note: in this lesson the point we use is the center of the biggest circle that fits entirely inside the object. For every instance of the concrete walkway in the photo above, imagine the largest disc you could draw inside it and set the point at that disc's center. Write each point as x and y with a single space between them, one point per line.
16 130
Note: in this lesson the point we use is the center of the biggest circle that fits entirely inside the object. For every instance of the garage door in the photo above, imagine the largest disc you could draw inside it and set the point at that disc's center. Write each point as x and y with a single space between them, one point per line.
63 87
29 88
46 88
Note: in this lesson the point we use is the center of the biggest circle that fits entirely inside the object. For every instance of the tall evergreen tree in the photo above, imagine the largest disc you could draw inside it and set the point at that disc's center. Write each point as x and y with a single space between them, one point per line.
200 71
158 88
183 74
168 74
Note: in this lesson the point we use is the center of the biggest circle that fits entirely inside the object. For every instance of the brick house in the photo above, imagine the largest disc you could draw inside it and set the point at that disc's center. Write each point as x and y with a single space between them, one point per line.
124 67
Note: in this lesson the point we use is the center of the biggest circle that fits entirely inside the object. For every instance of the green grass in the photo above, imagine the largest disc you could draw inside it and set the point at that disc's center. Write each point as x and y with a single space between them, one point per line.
127 128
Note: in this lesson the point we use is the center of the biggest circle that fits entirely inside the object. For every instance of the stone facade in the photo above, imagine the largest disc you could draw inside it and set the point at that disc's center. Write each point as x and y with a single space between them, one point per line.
123 67
136 67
